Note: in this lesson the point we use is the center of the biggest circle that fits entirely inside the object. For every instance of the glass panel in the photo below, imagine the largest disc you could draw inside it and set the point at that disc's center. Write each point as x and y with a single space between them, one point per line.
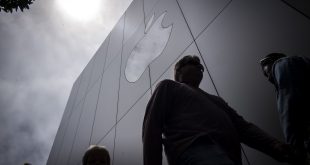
128 145
86 75
149 5
134 17
72 98
67 143
176 43
200 13
82 139
116 41
130 92
301 6
234 65
79 80
99 61
107 103
232 47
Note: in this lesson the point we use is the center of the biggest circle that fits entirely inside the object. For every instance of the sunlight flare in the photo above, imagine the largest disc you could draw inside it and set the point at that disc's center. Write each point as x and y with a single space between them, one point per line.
80 10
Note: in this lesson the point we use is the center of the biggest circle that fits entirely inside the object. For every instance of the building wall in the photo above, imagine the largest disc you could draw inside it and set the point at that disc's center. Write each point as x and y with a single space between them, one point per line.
229 36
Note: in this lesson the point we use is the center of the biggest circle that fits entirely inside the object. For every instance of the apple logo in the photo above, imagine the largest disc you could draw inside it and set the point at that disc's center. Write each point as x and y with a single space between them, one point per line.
148 48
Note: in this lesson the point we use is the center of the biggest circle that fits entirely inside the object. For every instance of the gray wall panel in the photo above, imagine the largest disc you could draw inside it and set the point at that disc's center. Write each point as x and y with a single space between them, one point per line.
99 61
128 143
232 47
85 80
131 91
200 13
72 99
107 103
179 39
82 138
116 41
79 79
238 61
149 5
134 17
301 6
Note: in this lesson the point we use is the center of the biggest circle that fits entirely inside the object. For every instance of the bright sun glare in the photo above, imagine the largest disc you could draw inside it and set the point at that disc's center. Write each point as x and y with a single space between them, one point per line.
80 10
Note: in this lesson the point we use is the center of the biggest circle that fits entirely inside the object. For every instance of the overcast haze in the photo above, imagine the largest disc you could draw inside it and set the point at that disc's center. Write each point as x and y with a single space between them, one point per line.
42 52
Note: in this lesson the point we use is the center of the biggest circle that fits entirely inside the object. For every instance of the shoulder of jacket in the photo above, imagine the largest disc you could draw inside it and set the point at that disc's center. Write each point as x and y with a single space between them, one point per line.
218 99
167 82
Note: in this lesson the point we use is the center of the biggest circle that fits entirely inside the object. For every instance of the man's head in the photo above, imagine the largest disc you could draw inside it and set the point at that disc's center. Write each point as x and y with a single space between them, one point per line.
189 71
96 155
267 63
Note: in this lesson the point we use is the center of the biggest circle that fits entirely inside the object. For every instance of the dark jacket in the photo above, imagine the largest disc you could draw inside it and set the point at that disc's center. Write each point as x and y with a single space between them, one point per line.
178 114
291 77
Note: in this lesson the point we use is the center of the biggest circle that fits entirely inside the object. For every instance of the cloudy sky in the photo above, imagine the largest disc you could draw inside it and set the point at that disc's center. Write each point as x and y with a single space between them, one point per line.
42 52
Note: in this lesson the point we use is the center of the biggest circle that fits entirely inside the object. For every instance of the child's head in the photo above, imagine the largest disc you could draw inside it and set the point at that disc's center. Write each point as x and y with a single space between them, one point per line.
96 155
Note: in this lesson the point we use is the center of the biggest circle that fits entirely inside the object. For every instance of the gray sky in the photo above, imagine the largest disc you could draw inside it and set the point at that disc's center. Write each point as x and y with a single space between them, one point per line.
42 52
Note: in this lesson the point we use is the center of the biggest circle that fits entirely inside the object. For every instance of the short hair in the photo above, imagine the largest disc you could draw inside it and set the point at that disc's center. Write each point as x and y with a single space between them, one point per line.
93 148
271 58
187 60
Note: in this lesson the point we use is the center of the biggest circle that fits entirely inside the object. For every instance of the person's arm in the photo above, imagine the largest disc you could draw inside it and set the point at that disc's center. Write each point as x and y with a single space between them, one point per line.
153 124
258 139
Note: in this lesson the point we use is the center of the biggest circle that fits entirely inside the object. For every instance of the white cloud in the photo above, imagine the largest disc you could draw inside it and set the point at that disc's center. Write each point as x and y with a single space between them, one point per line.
42 53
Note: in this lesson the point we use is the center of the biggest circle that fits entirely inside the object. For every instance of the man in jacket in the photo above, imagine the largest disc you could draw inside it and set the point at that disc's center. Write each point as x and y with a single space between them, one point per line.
291 78
197 128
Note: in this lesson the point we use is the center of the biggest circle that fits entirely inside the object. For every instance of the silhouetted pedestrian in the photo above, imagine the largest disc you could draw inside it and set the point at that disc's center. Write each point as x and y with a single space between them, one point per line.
291 78
197 128
96 155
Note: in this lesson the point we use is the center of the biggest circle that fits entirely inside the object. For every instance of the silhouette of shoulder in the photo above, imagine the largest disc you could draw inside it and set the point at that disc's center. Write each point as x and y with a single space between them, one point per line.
297 61
291 72
214 97
167 83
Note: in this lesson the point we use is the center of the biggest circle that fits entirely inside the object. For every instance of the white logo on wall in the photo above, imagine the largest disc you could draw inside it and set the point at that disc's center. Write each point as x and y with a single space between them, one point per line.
148 48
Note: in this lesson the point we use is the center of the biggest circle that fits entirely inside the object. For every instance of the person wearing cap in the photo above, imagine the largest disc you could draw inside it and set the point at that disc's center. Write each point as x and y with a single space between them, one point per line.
197 128
290 76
